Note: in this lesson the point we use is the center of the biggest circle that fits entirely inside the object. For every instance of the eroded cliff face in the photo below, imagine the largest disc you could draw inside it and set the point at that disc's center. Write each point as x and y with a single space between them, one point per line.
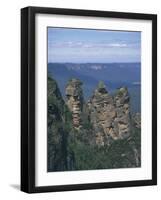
57 135
102 114
122 121
137 120
74 95
97 134
110 116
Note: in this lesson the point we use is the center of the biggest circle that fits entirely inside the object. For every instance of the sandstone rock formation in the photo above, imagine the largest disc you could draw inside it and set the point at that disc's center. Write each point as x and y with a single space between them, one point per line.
102 114
122 121
109 116
74 95
137 120
99 134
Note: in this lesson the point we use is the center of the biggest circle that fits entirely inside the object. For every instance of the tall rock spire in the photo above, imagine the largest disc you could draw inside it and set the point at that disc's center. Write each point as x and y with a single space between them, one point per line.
74 95
102 113
122 121
109 116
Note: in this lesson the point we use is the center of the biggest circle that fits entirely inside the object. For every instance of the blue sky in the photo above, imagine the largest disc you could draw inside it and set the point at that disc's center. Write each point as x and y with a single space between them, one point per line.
86 45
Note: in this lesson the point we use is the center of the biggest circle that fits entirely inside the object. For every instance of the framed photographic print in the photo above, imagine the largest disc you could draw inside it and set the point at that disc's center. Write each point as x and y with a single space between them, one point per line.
88 99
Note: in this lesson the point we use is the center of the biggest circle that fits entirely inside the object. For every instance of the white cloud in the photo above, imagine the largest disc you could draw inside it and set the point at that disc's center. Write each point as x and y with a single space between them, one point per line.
118 45
80 44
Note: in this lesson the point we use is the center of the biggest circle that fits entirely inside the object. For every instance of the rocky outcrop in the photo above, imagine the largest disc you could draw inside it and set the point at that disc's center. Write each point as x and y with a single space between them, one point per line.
122 120
102 114
137 120
57 146
109 116
92 135
74 95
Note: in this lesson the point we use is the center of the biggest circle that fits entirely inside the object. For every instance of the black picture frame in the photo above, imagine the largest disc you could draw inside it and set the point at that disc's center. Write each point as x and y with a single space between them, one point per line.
28 98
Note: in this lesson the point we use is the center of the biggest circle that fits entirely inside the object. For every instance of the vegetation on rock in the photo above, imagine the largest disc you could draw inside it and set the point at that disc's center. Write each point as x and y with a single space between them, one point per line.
99 134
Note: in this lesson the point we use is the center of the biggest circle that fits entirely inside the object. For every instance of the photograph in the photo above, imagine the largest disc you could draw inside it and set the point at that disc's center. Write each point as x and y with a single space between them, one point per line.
93 99
89 99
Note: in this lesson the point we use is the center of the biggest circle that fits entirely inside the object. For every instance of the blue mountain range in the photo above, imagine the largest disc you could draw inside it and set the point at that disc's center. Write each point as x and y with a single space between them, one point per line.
114 75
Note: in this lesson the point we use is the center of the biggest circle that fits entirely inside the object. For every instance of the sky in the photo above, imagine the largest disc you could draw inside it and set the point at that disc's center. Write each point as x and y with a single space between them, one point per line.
97 46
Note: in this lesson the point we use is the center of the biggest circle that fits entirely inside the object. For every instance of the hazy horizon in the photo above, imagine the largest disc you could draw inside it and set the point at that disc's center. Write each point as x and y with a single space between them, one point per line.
93 62
70 45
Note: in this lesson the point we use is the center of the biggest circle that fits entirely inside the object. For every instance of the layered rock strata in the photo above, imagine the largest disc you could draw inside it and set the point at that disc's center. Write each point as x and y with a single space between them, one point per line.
137 120
109 116
122 121
74 95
